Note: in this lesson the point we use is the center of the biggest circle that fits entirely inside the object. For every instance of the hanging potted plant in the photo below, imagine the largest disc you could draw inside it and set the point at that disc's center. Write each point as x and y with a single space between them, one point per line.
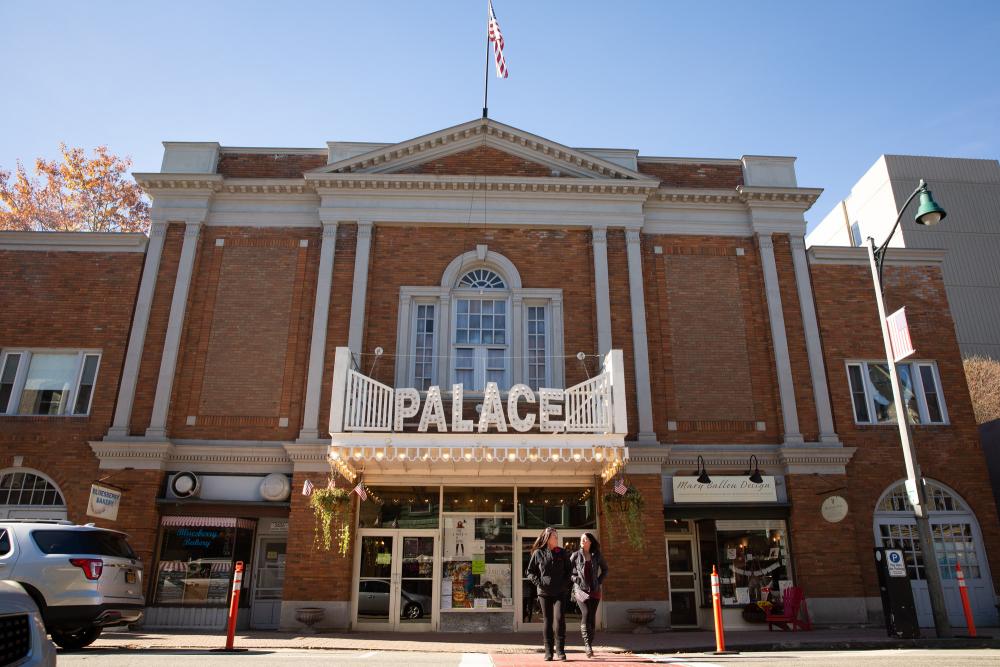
625 510
329 505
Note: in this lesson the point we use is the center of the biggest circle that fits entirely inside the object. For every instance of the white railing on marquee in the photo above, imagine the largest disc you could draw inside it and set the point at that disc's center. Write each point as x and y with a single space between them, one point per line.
369 404
588 406
597 405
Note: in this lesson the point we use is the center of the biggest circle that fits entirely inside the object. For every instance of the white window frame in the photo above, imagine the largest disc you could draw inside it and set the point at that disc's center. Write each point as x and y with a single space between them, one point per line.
21 376
411 349
918 390
480 350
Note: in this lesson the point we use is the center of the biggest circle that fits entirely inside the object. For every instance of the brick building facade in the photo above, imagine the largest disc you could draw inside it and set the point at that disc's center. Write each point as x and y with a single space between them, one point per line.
307 314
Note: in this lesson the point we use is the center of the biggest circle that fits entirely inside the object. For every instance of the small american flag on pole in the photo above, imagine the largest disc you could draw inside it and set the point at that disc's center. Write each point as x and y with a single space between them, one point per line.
307 488
620 488
360 490
497 39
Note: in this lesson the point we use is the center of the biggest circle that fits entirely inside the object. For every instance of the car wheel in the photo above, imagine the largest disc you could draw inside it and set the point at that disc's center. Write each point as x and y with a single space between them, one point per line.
412 611
76 639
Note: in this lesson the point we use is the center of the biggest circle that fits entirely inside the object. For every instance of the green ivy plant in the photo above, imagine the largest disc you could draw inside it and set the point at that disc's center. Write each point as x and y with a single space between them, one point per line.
625 511
329 505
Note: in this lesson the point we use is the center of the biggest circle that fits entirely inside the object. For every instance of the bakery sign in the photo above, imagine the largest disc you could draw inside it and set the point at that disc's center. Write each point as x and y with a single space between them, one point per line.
104 502
735 489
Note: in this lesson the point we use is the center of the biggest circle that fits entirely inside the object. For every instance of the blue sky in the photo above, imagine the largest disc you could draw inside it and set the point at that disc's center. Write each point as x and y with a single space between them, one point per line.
834 83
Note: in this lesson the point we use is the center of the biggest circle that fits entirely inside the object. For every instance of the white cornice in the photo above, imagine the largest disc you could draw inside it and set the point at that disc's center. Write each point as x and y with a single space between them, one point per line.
418 182
799 459
801 198
143 454
73 241
264 150
859 256
473 132
651 159
151 181
697 195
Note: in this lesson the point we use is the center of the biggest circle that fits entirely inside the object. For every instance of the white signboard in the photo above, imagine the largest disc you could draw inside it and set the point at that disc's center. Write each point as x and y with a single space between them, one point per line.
834 509
737 489
104 502
894 563
899 335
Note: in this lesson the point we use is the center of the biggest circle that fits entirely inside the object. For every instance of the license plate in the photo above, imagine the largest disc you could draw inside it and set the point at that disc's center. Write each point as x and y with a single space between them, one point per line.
130 576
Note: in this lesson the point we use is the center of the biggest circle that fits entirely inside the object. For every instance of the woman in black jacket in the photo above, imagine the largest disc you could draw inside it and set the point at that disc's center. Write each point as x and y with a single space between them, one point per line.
588 573
549 571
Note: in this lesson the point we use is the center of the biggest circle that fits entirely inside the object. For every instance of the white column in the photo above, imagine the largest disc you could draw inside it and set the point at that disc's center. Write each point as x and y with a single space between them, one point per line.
602 295
360 291
782 362
175 326
517 319
640 352
817 369
137 338
443 334
317 344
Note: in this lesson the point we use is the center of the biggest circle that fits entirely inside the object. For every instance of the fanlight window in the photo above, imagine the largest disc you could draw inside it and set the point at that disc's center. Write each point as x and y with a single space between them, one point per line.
482 279
940 499
25 488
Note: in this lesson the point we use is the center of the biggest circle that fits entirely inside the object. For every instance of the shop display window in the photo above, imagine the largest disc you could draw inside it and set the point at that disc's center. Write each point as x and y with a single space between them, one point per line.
571 507
401 507
196 561
477 561
752 558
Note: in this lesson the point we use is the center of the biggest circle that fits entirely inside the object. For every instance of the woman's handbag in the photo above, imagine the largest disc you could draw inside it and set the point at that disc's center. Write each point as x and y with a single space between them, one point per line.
581 595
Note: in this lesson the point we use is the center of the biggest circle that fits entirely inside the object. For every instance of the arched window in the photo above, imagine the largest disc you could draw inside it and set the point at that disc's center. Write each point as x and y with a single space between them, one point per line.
480 325
28 495
482 279
957 539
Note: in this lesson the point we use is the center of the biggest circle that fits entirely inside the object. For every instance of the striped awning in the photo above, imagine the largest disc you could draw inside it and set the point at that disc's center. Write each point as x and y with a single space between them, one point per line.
207 522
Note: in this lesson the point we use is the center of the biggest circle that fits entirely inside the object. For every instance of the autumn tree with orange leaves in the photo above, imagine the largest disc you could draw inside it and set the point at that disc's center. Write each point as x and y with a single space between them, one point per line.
79 193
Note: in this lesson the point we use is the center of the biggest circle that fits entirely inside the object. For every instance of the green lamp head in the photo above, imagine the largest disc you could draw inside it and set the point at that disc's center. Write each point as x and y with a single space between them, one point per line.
929 213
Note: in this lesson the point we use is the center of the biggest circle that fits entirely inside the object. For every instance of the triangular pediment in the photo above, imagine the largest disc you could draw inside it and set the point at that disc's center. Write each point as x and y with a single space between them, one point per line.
482 147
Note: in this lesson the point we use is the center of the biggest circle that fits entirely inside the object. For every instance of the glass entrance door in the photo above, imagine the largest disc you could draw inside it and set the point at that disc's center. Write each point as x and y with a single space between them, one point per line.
682 577
395 586
268 584
529 612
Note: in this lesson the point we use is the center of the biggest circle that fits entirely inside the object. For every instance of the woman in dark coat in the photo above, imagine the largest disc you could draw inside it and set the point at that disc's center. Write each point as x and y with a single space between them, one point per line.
549 571
589 571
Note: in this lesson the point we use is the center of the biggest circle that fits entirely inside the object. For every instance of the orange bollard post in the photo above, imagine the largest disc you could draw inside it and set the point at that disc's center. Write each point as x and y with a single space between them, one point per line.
234 604
969 621
720 633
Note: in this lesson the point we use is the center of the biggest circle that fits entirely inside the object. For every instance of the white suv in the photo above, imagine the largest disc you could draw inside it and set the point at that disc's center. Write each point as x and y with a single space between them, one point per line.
82 578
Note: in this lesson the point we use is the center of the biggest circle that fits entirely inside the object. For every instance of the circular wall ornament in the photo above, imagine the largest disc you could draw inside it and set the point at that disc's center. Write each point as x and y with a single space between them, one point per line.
275 487
185 485
834 509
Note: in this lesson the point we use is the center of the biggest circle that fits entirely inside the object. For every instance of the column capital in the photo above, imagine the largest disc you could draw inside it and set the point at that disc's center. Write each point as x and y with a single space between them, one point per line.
600 234
365 229
192 228
157 229
330 229
633 235
765 240
797 242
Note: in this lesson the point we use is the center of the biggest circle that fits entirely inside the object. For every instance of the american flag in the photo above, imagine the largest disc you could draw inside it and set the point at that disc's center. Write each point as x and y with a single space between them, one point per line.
620 487
307 488
497 39
360 490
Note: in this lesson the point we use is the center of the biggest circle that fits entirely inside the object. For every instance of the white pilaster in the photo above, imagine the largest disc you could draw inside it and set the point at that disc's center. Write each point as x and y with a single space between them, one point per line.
443 334
175 326
137 338
640 352
817 369
317 344
602 294
360 291
782 362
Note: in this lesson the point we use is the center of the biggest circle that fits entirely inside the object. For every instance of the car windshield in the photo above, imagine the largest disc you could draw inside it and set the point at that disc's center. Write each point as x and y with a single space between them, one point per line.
93 542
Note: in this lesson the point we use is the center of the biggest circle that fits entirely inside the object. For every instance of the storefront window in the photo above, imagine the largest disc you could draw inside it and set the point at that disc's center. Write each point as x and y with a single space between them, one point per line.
401 507
571 507
197 555
752 557
477 559
478 499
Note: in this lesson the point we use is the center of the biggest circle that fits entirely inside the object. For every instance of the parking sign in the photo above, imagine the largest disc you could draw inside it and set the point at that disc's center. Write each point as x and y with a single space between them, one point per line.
894 563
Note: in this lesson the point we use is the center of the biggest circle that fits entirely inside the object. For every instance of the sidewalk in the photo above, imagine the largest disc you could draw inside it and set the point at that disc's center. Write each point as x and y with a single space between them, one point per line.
608 642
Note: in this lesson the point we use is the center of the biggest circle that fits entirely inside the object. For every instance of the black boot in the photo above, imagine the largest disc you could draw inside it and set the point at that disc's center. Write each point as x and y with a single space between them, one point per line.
560 649
586 641
548 652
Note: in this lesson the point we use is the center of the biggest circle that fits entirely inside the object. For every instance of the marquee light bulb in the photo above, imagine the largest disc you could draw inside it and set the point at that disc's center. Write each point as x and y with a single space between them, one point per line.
512 456
378 456
446 456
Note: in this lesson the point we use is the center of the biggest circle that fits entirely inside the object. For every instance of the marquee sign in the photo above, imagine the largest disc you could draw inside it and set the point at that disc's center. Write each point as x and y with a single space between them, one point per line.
735 489
362 404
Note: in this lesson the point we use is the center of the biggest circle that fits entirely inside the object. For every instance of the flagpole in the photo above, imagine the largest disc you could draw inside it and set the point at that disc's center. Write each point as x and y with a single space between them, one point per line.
486 77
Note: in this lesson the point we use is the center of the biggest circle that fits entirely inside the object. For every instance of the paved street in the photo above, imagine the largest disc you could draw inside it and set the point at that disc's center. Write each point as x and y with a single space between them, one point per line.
369 658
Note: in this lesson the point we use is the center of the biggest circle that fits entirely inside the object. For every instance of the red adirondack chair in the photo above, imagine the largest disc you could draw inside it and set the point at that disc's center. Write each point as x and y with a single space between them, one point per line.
793 605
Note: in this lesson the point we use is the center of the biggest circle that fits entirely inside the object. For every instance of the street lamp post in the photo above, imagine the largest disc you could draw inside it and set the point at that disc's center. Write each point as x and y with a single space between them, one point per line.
929 213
